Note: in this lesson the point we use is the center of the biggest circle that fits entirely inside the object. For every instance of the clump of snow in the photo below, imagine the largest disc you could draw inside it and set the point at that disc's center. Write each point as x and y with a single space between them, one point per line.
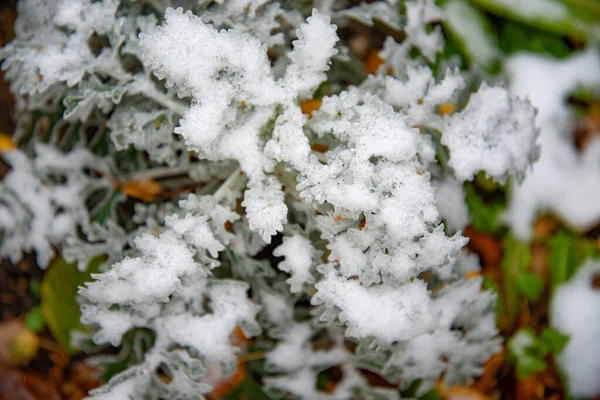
418 94
300 255
265 209
418 14
575 311
39 211
563 181
402 312
450 201
65 55
494 133
458 348
168 288
235 95
311 55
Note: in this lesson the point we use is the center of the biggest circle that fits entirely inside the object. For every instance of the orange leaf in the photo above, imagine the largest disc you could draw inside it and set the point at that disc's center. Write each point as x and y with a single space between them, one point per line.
319 147
487 246
308 106
489 379
228 384
545 226
143 190
461 393
373 62
239 338
471 275
362 223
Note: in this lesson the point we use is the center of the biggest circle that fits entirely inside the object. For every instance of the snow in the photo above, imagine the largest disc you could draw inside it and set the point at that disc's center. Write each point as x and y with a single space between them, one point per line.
450 201
210 334
234 95
311 55
265 209
575 311
494 133
419 95
419 13
563 181
402 312
299 256
150 278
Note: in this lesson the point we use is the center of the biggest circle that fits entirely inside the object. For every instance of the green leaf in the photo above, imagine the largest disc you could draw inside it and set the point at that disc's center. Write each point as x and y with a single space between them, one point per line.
58 293
517 257
567 252
134 345
34 287
554 340
104 208
515 37
70 103
484 216
34 320
530 285
528 352
472 33
529 365
433 394
547 15
321 91
586 10
248 389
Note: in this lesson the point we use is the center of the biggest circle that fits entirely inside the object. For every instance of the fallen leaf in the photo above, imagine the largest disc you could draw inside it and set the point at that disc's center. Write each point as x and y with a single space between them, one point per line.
6 142
461 393
58 291
18 344
545 226
446 108
142 190
487 246
489 379
319 147
308 106
231 382
373 62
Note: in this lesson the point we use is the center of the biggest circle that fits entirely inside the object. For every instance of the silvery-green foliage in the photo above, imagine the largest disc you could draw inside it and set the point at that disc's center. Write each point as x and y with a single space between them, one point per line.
43 199
343 241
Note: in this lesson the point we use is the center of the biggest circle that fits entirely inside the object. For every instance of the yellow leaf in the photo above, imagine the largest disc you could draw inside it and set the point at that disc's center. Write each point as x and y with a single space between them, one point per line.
58 292
446 109
24 347
18 344
143 190
6 142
